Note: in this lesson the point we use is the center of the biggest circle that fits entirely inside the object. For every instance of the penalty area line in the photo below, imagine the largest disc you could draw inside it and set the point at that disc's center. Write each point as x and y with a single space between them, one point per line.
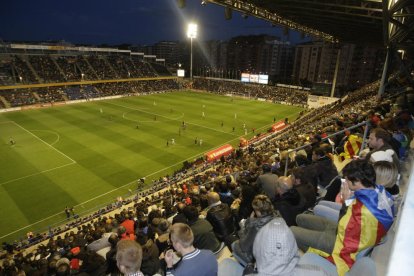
47 144
33 174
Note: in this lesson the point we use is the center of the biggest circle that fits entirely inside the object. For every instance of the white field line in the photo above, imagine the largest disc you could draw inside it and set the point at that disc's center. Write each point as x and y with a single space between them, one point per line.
148 121
137 109
44 142
113 190
33 174
6 122
50 131
132 182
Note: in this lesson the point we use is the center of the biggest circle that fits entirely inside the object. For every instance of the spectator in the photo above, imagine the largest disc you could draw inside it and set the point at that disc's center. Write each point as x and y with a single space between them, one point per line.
129 258
266 182
324 173
163 234
379 141
179 217
194 261
305 189
220 217
112 268
223 190
242 207
263 212
288 200
204 237
342 243
124 235
129 225
275 252
150 263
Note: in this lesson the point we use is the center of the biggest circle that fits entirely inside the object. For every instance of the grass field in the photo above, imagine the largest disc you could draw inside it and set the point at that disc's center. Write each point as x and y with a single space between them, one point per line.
76 155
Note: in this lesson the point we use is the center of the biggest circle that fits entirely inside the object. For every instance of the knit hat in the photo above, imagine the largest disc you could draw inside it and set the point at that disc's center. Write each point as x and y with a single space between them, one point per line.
62 261
275 249
382 155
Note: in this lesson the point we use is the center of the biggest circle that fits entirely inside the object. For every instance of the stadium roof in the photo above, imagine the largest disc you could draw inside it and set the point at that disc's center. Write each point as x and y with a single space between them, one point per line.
337 20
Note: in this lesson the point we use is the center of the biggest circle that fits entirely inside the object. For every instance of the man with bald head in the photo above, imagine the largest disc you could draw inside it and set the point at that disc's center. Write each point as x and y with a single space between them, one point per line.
288 201
220 216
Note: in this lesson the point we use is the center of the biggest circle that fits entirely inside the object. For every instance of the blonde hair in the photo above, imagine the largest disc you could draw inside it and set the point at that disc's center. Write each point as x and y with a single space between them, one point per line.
386 173
182 233
128 256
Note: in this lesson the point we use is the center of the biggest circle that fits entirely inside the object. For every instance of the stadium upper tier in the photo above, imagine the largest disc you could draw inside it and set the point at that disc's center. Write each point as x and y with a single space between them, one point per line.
25 68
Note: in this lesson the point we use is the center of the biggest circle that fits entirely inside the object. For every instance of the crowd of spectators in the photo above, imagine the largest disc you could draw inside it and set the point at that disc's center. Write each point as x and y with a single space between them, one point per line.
244 202
69 69
30 96
18 97
136 87
6 72
102 68
119 65
87 72
272 93
24 73
45 68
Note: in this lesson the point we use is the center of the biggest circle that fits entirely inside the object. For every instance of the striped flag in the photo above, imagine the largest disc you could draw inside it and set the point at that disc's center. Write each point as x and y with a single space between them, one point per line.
351 147
364 224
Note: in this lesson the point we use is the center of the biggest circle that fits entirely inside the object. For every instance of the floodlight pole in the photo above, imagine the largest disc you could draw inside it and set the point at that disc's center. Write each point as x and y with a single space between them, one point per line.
191 58
191 33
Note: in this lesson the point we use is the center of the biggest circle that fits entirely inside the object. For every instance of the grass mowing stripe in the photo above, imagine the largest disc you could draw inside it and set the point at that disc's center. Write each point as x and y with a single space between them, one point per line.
30 175
101 195
111 155
44 142
171 119
127 143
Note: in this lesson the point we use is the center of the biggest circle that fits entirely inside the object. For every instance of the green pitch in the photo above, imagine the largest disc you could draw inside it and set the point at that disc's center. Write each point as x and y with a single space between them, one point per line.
85 155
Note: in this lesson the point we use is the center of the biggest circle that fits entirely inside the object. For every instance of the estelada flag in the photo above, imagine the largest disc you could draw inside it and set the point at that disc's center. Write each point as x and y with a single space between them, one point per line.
365 223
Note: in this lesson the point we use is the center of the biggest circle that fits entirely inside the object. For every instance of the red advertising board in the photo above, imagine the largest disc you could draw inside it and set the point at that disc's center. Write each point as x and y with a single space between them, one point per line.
219 152
278 126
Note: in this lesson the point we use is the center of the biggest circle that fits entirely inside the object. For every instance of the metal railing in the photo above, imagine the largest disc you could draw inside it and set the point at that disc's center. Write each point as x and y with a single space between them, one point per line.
366 123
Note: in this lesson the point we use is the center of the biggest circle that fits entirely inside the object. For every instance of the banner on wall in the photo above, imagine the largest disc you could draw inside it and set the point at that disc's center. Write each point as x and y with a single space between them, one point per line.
219 152
278 126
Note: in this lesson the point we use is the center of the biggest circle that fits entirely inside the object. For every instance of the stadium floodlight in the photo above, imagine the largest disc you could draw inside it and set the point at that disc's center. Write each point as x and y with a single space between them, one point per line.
191 33
192 30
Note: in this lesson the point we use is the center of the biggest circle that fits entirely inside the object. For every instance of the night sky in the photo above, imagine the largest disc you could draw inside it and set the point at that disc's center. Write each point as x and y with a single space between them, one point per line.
112 22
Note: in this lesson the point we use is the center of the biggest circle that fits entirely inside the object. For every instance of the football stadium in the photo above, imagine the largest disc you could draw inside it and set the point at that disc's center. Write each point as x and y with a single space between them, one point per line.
282 153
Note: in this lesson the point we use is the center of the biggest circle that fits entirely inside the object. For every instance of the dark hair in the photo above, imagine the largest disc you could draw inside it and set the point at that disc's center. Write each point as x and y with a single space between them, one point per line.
248 193
319 152
191 213
266 168
381 133
141 238
113 239
154 214
327 148
301 160
223 187
300 173
360 170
